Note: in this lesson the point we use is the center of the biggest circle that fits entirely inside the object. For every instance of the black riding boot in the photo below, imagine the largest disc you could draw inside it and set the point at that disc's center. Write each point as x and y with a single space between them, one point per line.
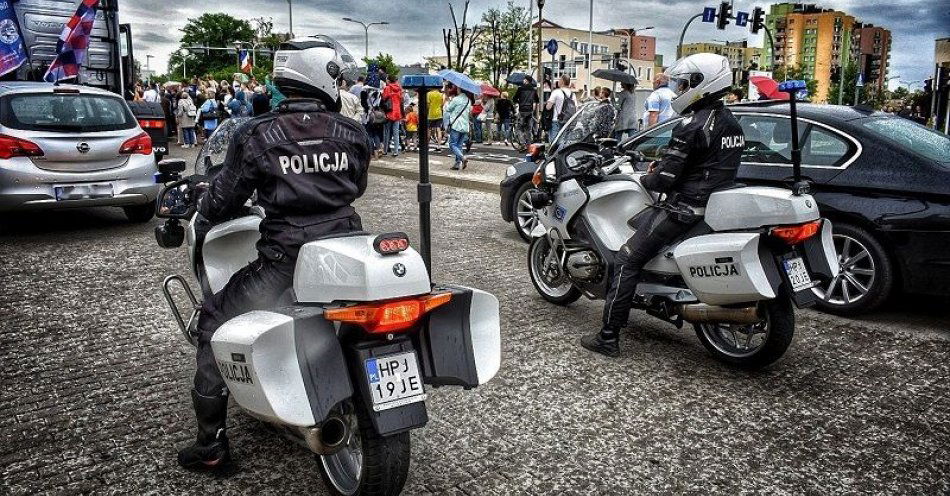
605 342
210 451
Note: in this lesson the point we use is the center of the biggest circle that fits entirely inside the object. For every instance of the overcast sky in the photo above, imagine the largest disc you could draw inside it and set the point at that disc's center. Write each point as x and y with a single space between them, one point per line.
415 28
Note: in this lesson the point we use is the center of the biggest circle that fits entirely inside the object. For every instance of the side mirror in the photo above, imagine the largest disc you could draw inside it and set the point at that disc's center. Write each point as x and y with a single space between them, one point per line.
175 201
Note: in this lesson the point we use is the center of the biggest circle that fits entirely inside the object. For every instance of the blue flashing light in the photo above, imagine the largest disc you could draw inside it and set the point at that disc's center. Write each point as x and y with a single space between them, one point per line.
792 86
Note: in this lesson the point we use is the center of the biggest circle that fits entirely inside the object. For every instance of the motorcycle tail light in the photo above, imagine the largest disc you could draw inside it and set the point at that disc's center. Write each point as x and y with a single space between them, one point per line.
15 147
391 316
139 144
796 234
390 244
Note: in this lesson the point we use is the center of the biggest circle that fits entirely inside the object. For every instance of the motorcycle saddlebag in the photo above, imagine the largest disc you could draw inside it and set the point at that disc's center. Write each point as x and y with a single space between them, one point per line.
460 344
287 367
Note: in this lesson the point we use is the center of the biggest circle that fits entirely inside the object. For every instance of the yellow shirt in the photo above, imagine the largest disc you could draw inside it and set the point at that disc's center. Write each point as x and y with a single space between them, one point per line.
434 98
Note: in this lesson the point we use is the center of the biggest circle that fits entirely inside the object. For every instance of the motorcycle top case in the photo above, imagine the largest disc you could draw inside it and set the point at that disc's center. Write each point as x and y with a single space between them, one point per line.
286 368
726 268
460 343
349 269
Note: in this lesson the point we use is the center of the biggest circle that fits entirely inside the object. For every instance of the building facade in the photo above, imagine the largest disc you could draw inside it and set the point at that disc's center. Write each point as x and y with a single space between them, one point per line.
820 41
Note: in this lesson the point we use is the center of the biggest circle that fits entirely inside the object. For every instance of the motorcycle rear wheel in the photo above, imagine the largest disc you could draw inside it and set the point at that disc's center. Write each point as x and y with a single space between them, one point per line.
370 465
561 292
778 327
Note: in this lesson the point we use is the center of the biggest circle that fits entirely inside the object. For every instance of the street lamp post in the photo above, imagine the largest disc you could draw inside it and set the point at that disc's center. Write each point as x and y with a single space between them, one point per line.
366 32
184 63
540 65
590 48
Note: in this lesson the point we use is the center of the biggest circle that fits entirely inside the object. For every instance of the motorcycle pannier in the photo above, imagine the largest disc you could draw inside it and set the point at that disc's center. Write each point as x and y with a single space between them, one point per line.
460 344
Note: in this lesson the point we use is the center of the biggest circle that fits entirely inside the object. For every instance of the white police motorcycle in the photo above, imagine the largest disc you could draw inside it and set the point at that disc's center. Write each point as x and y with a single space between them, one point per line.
342 365
735 276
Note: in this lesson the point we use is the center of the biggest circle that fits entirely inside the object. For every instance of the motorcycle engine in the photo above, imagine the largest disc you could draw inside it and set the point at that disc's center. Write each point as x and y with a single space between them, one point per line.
584 266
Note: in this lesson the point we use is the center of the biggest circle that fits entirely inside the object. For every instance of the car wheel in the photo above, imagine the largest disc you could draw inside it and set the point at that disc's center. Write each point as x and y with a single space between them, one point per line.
140 213
866 277
524 215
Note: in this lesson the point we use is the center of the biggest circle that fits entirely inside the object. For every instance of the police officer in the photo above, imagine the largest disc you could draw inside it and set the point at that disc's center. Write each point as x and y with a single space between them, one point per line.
307 163
702 157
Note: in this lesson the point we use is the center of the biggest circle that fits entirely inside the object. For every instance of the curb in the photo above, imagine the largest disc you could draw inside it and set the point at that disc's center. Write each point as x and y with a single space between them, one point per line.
435 178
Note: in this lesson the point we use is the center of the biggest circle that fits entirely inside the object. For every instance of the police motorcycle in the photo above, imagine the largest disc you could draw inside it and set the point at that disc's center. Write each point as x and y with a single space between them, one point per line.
735 276
344 365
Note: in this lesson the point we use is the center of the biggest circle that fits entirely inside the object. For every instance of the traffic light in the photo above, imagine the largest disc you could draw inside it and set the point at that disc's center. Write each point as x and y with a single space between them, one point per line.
725 13
929 85
758 20
943 78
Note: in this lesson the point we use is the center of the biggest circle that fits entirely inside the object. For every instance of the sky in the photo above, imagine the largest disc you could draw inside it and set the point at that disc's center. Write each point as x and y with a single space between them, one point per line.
415 28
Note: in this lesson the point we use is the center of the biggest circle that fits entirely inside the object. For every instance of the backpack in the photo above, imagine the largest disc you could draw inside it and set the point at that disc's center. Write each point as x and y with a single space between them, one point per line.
386 105
190 110
568 108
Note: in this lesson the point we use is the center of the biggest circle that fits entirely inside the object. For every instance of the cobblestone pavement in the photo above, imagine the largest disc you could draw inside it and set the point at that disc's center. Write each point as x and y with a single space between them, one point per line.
94 383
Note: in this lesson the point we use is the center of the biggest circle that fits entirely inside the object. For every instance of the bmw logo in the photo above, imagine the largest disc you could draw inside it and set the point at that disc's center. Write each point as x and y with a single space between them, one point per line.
808 203
399 269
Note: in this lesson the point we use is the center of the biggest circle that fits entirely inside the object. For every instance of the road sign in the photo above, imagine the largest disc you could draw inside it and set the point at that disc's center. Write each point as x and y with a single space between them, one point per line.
709 14
860 80
552 46
742 18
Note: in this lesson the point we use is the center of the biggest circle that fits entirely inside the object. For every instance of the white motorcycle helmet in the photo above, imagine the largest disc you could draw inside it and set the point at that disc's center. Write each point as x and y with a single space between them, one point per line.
696 77
310 67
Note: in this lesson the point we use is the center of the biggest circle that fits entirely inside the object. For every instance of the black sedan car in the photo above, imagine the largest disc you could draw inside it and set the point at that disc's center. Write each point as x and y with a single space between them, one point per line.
884 181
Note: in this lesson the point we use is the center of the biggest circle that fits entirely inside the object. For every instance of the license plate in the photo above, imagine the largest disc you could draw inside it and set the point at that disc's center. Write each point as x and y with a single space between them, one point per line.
394 381
83 191
797 273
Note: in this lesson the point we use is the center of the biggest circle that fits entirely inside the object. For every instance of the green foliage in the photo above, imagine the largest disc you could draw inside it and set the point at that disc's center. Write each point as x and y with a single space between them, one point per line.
385 62
869 96
795 72
211 30
503 45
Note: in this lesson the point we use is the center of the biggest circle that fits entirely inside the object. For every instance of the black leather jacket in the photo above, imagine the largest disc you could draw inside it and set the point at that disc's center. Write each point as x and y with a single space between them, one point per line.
703 156
307 165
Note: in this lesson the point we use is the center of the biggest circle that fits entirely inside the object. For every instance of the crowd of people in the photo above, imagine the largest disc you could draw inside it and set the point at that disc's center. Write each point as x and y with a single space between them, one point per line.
194 109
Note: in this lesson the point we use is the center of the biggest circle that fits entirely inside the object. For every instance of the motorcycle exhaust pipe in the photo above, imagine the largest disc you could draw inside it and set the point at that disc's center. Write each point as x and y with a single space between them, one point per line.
703 313
328 438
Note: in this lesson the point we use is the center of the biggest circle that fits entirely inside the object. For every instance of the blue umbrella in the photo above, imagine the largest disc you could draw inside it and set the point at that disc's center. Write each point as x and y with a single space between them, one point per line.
462 81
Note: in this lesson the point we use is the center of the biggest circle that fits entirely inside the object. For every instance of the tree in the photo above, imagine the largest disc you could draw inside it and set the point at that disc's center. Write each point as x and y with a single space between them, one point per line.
385 62
461 38
795 72
869 95
211 30
504 44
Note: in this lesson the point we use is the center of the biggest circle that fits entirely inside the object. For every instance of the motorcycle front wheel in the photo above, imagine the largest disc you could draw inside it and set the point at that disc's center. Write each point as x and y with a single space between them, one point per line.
752 346
550 281
370 464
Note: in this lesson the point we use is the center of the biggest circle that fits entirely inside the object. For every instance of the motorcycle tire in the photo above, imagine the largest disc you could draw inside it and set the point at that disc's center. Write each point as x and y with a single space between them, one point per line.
779 317
558 296
384 462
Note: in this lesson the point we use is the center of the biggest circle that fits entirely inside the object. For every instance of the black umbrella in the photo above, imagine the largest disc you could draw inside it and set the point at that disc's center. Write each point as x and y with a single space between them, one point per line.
516 78
616 76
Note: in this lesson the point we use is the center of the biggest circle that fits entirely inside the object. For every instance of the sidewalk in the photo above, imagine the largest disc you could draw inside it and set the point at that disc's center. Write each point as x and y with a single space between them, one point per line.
484 172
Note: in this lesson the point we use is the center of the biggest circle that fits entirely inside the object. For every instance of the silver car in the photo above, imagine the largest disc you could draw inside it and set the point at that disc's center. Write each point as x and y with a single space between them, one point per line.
73 146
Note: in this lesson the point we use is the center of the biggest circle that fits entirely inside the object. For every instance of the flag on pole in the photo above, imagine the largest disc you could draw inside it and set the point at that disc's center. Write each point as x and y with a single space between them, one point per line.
246 65
12 52
73 43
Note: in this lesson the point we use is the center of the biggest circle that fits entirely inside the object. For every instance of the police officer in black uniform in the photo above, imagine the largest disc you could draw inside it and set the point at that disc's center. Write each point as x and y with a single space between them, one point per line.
702 157
307 163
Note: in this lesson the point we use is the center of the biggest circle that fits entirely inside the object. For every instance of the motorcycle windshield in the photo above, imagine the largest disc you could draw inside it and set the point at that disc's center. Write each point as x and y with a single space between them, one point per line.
592 121
215 148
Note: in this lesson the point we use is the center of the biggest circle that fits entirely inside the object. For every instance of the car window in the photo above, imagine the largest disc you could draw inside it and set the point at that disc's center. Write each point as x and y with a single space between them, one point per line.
651 143
768 140
65 112
913 136
822 147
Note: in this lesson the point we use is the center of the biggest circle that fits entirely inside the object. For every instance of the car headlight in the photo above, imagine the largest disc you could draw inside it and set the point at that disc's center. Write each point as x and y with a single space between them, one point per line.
510 171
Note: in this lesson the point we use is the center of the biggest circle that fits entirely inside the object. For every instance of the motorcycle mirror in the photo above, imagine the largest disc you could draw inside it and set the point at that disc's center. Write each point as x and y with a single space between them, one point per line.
175 201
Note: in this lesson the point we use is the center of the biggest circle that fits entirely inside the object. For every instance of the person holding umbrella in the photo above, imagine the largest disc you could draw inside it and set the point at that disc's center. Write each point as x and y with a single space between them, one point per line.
457 112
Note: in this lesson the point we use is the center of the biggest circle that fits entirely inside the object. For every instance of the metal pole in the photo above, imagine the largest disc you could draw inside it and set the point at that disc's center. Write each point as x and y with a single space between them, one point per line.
290 12
424 189
679 47
184 68
590 47
799 188
540 70
530 32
